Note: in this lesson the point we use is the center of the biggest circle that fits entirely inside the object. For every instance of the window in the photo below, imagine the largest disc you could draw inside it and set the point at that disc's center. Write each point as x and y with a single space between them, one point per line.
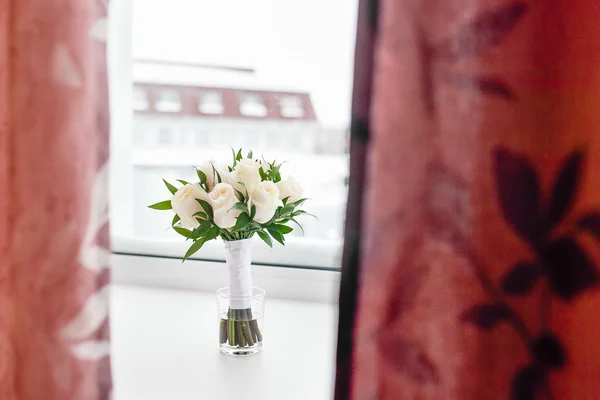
140 99
164 137
261 54
252 105
210 103
167 100
291 107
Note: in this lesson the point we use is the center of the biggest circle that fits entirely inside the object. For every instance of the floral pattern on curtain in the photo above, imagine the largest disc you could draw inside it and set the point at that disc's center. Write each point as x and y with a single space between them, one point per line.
478 270
54 238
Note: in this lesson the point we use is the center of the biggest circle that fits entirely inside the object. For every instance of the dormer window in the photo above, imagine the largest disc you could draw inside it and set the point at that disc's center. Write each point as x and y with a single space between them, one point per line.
291 107
210 103
167 100
252 105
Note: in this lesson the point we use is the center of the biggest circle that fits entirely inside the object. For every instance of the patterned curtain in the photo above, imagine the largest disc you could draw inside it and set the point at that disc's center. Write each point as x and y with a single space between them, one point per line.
54 127
478 270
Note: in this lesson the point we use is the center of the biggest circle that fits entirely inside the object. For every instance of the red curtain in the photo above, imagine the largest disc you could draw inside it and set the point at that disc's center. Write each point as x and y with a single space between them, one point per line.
479 263
54 123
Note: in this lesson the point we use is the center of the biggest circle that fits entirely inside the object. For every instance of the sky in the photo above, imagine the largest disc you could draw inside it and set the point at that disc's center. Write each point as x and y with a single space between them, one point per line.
307 44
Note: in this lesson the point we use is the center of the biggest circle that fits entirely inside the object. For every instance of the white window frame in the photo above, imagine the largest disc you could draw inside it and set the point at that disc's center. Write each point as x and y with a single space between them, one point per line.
249 107
289 110
133 254
167 105
207 106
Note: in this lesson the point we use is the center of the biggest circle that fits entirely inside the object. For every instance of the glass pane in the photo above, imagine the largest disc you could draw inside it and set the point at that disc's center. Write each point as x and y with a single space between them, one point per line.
270 76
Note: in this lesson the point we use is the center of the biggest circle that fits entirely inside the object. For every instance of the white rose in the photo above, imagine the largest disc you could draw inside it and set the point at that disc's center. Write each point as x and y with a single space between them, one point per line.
266 200
222 198
246 171
290 188
211 177
185 205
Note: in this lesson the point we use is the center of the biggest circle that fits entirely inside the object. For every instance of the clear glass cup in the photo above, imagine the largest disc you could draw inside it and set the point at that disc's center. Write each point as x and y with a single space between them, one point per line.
241 331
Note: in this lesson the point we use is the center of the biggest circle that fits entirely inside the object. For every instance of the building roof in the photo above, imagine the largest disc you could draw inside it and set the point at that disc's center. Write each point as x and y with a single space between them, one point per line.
207 75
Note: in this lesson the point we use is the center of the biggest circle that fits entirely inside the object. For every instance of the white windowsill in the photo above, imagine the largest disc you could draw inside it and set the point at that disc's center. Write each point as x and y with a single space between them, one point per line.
165 346
208 276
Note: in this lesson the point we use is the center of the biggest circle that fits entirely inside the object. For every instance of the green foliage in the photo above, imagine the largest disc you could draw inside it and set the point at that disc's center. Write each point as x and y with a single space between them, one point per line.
216 173
193 249
297 223
202 229
239 206
242 222
207 207
245 226
234 160
171 188
175 220
274 232
201 215
212 233
240 195
298 203
201 176
162 205
284 229
265 237
186 233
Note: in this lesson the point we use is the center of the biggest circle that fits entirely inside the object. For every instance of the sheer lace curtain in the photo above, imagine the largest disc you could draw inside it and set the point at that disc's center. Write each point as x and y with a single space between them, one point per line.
54 242
479 263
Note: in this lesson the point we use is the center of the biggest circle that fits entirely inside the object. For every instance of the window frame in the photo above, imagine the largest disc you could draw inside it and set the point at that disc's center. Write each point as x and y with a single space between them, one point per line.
316 254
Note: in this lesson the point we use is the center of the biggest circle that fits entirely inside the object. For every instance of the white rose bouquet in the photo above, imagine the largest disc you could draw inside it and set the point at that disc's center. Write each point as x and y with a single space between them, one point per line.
234 202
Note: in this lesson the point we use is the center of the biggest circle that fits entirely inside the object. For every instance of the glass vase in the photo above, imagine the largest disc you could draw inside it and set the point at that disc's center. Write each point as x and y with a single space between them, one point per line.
241 331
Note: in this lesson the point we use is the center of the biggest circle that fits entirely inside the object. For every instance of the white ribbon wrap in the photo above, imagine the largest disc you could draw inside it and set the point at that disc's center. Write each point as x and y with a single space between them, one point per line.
238 255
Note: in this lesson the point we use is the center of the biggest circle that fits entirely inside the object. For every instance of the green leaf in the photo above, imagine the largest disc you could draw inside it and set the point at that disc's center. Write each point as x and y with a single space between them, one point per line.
186 233
252 211
273 231
284 201
212 233
297 223
288 208
183 182
240 195
263 175
265 237
239 156
175 220
242 221
284 229
298 203
202 229
302 212
201 215
193 248
162 205
219 180
207 207
239 206
234 160
171 188
249 154
201 176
